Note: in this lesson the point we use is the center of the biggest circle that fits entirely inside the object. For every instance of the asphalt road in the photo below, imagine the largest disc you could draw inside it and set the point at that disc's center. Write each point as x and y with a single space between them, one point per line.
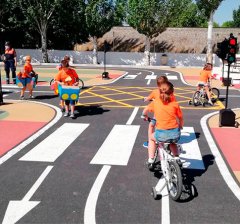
92 182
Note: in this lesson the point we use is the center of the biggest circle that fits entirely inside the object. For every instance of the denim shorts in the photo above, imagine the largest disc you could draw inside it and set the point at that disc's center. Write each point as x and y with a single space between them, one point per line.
25 81
170 135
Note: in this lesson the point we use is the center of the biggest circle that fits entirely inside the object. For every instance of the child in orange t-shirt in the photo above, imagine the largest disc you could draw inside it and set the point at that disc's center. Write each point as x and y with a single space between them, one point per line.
67 76
25 77
204 79
153 95
169 120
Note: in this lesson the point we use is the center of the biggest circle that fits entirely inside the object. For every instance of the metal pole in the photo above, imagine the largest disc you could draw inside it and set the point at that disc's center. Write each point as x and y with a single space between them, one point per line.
226 103
1 93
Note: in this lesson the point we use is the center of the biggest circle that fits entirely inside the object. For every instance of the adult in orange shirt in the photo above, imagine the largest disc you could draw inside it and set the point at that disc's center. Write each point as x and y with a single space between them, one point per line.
154 95
25 77
67 76
10 62
204 80
169 120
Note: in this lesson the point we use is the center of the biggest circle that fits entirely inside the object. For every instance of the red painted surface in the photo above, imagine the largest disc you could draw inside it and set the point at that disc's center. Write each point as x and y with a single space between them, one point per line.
191 77
228 141
14 132
111 76
237 86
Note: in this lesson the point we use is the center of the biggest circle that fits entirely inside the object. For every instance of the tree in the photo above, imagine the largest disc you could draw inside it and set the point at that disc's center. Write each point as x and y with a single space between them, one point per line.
236 17
39 13
101 16
151 17
208 7
65 31
228 24
189 16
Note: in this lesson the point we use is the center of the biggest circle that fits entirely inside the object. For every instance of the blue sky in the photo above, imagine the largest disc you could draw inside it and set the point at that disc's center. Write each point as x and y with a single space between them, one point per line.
225 11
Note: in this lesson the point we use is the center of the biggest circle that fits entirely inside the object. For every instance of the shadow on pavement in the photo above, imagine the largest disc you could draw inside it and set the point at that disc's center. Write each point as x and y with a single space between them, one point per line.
89 110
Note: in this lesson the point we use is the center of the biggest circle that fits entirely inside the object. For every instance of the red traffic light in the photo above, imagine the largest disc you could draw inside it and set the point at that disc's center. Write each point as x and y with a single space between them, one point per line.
232 41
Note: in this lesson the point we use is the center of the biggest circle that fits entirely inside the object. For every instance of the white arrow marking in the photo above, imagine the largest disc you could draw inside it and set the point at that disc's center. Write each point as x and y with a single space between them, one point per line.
150 77
55 144
191 152
139 73
17 209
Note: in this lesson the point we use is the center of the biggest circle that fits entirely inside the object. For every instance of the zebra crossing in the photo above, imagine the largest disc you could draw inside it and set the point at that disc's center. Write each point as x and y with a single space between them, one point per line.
115 150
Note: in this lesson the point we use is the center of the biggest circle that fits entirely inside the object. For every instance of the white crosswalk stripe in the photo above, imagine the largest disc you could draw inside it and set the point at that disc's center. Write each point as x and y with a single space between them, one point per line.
55 144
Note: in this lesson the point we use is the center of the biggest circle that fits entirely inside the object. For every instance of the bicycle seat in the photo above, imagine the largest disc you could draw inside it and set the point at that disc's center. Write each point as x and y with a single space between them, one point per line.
201 85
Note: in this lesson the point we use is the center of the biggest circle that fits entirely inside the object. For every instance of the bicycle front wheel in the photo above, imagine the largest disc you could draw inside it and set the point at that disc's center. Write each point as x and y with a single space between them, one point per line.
81 84
174 184
196 98
215 94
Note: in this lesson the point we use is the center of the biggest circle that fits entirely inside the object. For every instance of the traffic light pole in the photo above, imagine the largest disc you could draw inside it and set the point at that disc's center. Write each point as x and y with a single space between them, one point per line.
228 74
1 93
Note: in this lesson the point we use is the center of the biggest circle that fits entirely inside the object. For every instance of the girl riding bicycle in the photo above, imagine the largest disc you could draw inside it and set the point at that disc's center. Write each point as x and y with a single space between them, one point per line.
204 79
169 120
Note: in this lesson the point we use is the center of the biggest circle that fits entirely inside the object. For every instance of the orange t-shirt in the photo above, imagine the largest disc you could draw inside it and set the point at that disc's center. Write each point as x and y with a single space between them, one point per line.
168 116
205 75
155 94
26 70
65 73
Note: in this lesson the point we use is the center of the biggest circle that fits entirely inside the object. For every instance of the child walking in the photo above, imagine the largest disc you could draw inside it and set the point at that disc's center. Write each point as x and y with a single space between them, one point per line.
25 77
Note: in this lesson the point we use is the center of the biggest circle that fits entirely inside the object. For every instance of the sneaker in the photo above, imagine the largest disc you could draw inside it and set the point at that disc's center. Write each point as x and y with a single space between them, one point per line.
210 102
150 166
63 109
72 115
22 98
31 97
66 114
145 144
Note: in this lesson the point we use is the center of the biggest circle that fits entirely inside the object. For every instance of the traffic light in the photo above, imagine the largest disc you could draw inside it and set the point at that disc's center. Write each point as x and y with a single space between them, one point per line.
232 49
222 49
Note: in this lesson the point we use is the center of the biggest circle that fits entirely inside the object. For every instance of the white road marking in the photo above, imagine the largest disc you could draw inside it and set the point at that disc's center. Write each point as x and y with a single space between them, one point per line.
172 77
191 152
152 76
17 209
224 171
133 115
90 208
117 147
55 144
15 150
165 207
130 77
165 201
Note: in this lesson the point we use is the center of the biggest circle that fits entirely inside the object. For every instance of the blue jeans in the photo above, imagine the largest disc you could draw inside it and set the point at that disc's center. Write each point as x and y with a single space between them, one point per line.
170 135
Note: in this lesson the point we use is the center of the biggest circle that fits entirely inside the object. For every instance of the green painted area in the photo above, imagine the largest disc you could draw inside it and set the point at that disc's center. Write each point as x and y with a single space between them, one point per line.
3 114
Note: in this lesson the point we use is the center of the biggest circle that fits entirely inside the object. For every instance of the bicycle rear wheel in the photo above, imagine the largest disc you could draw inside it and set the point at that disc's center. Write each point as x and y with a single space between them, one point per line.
175 184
